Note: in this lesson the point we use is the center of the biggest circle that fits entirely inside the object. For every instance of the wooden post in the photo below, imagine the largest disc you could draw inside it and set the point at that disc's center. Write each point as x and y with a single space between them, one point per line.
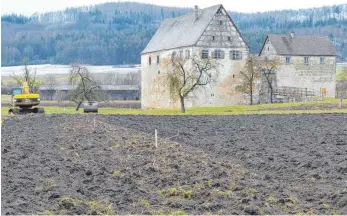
340 103
156 138
94 122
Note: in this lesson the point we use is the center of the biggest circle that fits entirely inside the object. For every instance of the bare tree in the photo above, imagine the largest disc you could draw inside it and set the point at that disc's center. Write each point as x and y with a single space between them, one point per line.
249 77
185 76
51 85
268 68
86 89
27 76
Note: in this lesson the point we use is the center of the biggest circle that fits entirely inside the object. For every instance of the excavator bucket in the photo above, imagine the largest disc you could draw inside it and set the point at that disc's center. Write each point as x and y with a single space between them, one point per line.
90 107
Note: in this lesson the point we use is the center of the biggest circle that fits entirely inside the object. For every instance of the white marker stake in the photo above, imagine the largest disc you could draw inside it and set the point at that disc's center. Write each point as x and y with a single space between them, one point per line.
156 138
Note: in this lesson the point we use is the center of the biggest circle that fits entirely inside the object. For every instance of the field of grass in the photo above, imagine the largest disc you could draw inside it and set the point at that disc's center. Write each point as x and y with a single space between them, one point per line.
230 110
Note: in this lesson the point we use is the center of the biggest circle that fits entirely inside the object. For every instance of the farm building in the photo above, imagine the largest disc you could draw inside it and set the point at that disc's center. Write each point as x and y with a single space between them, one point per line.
203 33
113 92
307 64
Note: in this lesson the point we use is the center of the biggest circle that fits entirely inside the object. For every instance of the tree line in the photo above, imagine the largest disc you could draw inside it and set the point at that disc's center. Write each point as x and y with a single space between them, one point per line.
116 33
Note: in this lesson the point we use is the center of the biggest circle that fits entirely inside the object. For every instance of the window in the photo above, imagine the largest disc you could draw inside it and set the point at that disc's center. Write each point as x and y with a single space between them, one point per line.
150 60
288 60
236 55
220 22
229 38
213 37
158 59
174 55
322 60
217 54
181 54
158 72
204 54
187 54
307 60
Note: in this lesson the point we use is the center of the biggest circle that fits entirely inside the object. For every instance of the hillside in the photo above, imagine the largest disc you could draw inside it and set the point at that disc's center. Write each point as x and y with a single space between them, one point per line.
116 33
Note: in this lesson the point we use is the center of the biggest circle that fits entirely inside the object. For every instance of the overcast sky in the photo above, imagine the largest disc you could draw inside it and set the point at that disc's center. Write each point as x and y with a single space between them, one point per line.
29 7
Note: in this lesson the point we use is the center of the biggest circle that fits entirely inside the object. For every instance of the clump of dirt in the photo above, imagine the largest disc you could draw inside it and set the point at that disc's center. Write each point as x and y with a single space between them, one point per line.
79 164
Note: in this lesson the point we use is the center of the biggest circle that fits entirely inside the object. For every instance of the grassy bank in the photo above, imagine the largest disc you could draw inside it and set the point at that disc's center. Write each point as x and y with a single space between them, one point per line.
285 108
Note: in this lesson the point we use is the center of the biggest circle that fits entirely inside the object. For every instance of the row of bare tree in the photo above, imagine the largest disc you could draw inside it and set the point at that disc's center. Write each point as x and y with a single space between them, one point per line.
186 76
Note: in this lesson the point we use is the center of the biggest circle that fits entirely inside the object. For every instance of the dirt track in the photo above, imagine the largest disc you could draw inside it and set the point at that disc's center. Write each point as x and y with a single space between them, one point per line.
204 164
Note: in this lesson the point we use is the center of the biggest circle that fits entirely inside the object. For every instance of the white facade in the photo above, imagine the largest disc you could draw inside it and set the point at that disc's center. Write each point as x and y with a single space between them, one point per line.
219 34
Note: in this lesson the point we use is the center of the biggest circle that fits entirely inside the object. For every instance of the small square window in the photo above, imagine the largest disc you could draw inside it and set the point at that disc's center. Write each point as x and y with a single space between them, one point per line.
181 54
204 54
174 55
187 54
158 59
307 60
322 60
217 54
288 60
150 60
213 37
220 22
236 55
229 38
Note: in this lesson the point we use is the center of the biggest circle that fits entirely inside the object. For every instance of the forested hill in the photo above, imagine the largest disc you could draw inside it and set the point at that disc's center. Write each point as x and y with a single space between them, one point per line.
116 33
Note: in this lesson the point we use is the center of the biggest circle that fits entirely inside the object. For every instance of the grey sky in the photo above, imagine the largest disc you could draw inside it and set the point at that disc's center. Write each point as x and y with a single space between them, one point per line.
29 7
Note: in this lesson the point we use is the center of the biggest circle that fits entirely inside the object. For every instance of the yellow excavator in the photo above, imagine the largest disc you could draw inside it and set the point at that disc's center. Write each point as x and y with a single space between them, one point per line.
24 101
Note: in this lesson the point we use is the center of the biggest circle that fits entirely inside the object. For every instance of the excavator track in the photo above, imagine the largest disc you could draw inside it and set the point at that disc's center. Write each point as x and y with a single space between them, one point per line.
19 111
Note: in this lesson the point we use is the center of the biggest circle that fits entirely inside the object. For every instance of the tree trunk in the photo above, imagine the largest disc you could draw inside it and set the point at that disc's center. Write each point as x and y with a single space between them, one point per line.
183 109
78 106
251 94
271 93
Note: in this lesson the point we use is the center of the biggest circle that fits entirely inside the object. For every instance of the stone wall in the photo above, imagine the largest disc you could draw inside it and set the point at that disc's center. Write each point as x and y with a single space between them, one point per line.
222 93
312 76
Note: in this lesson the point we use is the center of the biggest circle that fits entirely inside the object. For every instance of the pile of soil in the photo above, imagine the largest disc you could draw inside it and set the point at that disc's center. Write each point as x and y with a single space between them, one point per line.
62 164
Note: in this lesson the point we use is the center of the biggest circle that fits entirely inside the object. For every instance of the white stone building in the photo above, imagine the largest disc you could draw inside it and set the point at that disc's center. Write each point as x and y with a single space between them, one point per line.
306 62
207 32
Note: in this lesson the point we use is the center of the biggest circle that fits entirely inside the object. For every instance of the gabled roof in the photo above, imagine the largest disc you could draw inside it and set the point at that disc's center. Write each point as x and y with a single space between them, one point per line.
301 45
182 31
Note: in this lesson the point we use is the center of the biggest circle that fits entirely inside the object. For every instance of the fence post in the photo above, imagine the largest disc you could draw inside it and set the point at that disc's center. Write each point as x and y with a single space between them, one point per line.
156 138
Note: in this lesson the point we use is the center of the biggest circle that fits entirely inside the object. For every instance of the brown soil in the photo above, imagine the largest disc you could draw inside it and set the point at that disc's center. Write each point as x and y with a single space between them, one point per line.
203 164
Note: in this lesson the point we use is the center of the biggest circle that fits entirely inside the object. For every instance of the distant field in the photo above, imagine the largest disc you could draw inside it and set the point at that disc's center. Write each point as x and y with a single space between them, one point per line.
64 69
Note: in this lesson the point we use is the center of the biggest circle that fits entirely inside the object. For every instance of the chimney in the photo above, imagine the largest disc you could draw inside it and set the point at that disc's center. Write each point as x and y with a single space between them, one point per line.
196 9
292 34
